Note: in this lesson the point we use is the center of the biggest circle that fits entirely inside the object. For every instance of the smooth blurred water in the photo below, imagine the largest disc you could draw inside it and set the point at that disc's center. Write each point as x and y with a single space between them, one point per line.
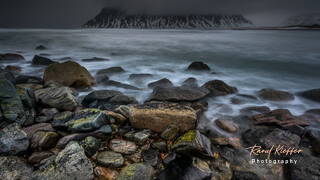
249 60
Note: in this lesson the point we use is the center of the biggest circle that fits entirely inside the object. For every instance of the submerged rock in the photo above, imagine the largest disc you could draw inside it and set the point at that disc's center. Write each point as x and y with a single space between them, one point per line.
254 110
198 66
57 97
175 94
69 74
13 140
83 121
119 85
158 116
111 71
11 57
10 103
40 60
15 69
12 168
71 163
219 88
191 82
275 95
95 59
161 83
192 143
313 94
41 47
140 76
110 159
136 171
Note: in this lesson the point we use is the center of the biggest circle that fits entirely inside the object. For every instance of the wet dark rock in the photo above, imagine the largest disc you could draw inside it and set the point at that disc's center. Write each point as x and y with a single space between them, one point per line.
13 140
47 115
158 116
41 47
110 159
100 133
70 163
269 137
314 135
254 110
11 57
198 66
43 140
242 175
102 78
170 132
313 94
111 71
119 85
14 168
244 99
192 143
219 88
24 79
4 74
123 100
122 146
57 97
82 121
175 94
140 76
139 137
40 60
90 145
161 83
95 59
31 130
275 95
15 69
69 74
280 117
191 82
136 171
307 167
37 157
100 96
226 125
10 103
150 157
161 146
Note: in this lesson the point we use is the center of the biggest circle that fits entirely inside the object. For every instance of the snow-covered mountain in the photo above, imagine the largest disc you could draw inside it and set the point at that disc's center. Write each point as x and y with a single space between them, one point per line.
111 18
312 20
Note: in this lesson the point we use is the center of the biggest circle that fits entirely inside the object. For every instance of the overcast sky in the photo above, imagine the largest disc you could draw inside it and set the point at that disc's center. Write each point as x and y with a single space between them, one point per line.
74 13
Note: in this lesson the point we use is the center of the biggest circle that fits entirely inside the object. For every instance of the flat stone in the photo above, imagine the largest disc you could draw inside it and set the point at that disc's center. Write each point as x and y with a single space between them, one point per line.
110 159
13 140
136 171
226 125
111 71
122 146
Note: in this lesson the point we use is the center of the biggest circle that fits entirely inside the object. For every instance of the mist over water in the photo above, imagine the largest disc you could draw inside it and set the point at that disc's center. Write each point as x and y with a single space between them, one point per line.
248 60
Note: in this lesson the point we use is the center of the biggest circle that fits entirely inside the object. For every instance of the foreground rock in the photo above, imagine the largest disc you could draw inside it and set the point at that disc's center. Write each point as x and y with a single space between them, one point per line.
158 116
193 143
122 146
161 83
313 94
71 163
176 94
11 57
307 167
69 74
275 95
40 60
13 140
82 121
110 159
136 171
198 66
11 105
12 167
219 88
226 125
56 97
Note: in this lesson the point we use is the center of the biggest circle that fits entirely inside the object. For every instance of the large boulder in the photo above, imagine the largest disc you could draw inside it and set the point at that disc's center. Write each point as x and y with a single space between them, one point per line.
136 171
57 97
198 66
275 95
193 143
71 163
10 103
13 140
219 88
69 74
85 120
11 57
158 116
12 168
176 94
313 94
40 60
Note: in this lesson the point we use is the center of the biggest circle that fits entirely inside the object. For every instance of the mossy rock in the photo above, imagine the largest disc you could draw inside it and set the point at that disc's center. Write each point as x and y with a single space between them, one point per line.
136 171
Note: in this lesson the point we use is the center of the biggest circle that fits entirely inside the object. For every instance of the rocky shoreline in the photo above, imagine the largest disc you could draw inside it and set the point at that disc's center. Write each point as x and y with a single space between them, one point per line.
48 131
